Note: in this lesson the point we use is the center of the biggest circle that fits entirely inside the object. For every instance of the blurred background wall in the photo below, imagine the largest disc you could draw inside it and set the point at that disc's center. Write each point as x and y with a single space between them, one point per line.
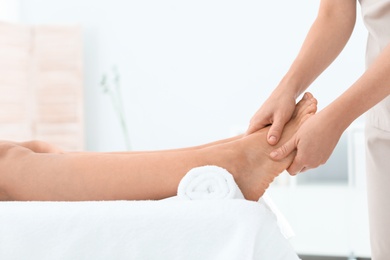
196 71
191 72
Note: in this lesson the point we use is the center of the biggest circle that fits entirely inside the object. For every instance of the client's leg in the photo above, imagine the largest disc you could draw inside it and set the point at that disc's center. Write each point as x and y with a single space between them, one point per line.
26 175
44 147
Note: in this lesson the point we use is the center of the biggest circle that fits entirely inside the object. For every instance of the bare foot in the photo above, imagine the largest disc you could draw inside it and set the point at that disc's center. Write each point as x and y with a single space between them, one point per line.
255 170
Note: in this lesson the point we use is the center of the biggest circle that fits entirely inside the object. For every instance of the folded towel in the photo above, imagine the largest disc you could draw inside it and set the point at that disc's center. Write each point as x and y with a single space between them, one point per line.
208 182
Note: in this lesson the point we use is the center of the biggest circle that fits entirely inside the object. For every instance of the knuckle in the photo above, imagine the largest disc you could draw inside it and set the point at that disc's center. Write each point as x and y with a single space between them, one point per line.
283 149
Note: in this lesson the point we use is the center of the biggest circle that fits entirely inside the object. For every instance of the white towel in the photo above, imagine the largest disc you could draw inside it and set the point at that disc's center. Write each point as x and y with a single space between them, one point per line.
178 229
283 224
212 182
208 182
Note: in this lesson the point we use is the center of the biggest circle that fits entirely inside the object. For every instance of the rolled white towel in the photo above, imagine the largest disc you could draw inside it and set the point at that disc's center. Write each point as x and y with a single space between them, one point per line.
212 182
208 182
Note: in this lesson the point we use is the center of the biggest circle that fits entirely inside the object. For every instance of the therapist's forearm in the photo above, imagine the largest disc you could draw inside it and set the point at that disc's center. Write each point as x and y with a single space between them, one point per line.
372 87
324 42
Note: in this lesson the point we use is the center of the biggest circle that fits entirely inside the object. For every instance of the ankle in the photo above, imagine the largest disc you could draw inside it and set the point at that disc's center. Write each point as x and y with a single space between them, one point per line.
235 159
226 155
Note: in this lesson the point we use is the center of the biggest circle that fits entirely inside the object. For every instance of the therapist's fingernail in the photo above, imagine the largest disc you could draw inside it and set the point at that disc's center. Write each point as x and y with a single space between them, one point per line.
272 139
305 96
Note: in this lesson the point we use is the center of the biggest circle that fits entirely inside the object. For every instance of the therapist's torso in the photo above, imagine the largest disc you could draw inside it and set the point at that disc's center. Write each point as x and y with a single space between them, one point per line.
376 17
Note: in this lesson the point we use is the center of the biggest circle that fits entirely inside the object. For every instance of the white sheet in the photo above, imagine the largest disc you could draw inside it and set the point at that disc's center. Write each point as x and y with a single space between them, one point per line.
171 229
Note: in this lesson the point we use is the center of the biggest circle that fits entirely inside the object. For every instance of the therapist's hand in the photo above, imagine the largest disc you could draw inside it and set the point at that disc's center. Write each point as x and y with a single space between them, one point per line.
276 111
314 142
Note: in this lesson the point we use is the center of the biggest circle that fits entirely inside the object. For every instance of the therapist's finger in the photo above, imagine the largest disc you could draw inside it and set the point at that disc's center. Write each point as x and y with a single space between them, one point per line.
284 150
296 166
275 131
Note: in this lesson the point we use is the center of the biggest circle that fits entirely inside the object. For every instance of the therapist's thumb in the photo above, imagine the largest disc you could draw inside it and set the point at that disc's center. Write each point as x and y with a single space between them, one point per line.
284 150
275 132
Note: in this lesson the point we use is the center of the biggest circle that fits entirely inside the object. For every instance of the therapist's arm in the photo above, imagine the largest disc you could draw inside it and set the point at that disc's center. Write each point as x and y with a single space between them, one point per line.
325 40
318 136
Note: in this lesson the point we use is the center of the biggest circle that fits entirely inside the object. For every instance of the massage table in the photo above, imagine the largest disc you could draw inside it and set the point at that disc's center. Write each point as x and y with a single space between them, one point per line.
175 228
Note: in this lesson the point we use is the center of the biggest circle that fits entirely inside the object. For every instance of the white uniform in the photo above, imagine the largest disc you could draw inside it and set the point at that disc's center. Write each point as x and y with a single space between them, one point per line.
376 16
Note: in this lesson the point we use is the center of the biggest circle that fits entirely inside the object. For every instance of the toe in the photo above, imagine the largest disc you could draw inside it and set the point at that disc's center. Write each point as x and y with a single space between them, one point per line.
306 106
304 102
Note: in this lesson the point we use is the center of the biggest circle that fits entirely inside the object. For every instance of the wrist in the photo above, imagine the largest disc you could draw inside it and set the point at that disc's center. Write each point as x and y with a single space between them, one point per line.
335 119
291 85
